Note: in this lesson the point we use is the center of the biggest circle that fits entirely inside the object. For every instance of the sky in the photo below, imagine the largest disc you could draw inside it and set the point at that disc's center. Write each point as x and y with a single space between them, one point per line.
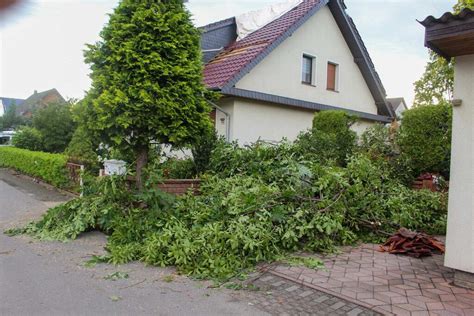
42 41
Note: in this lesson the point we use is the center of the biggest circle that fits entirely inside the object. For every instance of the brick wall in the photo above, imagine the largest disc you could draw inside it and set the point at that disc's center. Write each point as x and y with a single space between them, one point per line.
179 186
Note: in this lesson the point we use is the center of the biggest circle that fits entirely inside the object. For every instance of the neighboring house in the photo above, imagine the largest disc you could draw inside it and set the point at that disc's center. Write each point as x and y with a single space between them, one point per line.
272 81
398 106
39 100
6 103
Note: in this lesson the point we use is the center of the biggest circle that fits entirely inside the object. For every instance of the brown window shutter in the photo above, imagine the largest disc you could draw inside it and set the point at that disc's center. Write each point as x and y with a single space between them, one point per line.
331 84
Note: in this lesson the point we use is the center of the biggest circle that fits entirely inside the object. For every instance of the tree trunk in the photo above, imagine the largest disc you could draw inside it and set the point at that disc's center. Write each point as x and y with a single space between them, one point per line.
142 160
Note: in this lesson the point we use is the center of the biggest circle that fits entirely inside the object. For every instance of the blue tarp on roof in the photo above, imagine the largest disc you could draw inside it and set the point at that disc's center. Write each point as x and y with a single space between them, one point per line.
7 102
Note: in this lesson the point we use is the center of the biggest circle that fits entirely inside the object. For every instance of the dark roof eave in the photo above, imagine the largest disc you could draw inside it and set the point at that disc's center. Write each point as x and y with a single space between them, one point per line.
259 96
361 56
447 17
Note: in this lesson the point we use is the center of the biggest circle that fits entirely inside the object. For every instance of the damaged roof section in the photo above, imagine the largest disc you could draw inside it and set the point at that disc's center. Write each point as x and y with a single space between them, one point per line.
216 36
230 62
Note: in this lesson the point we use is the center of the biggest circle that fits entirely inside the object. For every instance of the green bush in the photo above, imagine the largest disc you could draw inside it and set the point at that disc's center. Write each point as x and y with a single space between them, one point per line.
28 138
50 168
331 139
174 168
56 125
202 150
81 149
425 138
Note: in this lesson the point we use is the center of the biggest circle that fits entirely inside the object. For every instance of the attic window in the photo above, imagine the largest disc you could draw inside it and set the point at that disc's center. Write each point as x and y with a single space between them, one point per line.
307 75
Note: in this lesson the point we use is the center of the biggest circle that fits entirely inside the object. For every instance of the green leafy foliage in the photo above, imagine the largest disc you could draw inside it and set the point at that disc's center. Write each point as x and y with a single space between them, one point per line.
308 262
331 139
28 138
81 148
56 125
462 4
425 138
260 202
263 202
436 85
202 149
147 79
50 168
173 168
116 276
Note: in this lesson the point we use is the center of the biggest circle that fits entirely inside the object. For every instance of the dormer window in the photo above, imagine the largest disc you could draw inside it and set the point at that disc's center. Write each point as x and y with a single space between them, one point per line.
307 76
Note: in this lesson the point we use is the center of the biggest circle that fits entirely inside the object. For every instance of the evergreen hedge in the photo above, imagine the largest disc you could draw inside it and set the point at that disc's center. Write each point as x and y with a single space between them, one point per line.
425 138
51 168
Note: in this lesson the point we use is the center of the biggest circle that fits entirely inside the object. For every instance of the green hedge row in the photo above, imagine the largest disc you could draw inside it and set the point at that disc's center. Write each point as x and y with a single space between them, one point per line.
50 168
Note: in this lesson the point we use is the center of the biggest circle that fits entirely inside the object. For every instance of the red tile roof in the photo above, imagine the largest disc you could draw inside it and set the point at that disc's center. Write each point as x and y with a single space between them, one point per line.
220 70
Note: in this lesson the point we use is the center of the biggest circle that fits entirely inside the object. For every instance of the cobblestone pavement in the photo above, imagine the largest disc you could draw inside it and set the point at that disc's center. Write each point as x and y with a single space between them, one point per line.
278 296
387 283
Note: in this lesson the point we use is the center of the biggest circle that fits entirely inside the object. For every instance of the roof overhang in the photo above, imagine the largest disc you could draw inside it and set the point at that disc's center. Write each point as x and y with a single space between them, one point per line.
450 35
301 104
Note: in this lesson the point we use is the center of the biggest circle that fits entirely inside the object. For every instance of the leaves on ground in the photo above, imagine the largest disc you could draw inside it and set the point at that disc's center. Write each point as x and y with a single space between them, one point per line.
115 298
116 276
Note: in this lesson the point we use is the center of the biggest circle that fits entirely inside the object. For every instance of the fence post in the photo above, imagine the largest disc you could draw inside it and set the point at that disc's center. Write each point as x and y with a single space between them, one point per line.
81 182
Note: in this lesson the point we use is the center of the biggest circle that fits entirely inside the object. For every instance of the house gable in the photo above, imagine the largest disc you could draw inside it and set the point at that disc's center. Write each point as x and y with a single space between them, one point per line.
280 73
239 58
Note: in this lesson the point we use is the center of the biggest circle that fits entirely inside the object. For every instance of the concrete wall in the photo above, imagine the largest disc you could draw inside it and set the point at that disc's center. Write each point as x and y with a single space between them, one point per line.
460 234
253 120
280 72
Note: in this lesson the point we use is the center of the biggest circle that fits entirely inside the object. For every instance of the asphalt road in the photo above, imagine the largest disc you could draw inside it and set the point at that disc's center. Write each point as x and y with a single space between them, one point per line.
49 278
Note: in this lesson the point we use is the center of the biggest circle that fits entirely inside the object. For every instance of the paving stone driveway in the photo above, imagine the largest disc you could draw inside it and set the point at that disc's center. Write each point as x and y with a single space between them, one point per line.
279 296
389 284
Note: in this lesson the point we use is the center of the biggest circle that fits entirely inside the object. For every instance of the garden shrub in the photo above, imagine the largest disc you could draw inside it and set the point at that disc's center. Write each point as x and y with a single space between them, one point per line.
202 150
330 140
174 168
81 149
28 138
380 142
425 138
50 168
56 124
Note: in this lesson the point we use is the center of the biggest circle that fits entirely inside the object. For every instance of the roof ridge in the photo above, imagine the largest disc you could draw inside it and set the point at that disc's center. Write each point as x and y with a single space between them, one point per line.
218 24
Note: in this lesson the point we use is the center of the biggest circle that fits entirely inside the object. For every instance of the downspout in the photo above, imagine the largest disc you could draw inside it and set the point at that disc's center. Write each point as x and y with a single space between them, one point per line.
227 119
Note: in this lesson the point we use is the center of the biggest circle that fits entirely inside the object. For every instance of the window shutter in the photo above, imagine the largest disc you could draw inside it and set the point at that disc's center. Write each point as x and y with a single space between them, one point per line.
331 84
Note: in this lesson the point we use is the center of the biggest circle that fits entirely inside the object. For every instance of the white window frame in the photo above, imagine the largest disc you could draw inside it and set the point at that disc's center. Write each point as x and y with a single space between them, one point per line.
313 68
336 83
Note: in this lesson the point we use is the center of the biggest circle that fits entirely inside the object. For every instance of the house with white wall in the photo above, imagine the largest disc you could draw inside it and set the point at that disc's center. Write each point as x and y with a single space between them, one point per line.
275 68
398 106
